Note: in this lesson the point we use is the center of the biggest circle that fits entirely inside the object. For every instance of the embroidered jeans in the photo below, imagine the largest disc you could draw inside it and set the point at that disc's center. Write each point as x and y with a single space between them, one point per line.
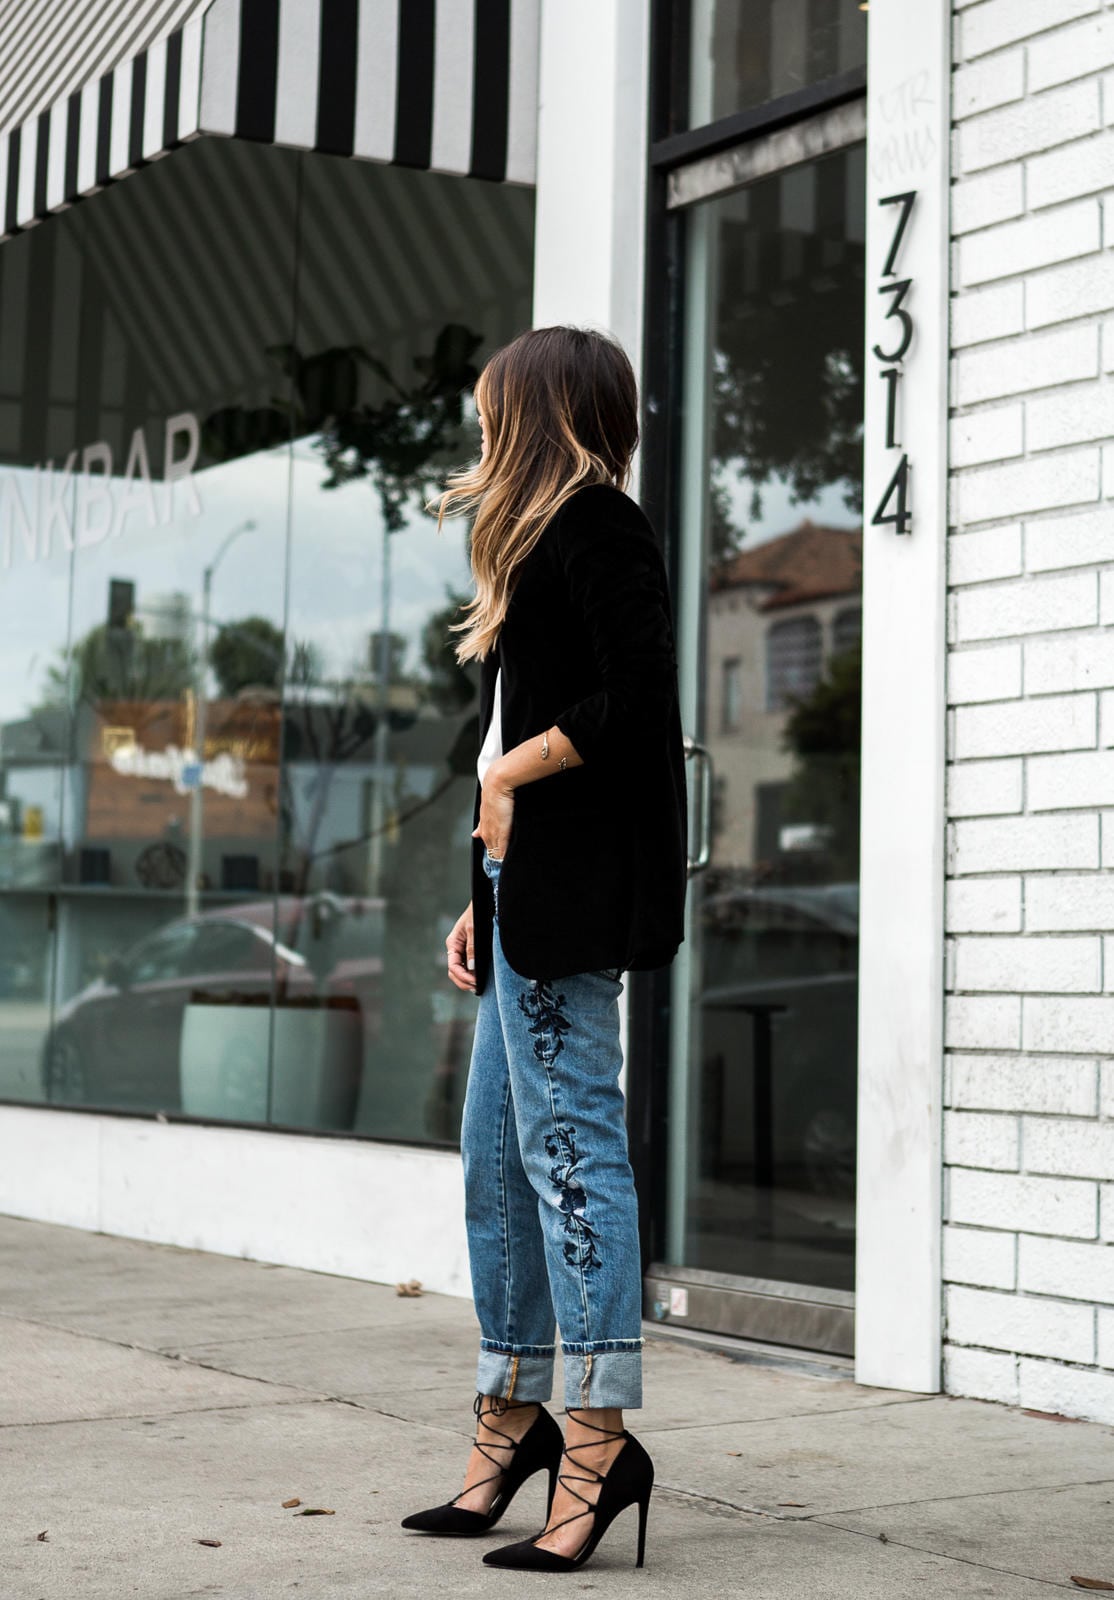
551 1209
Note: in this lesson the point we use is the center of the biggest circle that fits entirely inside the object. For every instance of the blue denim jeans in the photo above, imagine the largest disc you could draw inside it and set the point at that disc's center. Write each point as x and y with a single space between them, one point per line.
551 1208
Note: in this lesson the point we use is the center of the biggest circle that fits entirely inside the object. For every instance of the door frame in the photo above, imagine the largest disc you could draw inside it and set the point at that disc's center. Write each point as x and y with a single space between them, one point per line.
816 1318
900 1196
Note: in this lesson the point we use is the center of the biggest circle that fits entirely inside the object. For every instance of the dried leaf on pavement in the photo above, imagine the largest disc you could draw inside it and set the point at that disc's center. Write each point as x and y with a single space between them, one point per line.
411 1289
1092 1583
287 1504
315 1511
41 1538
214 1544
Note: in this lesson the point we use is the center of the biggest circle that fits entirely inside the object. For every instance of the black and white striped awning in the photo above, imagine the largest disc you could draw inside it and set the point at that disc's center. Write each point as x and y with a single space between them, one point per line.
444 85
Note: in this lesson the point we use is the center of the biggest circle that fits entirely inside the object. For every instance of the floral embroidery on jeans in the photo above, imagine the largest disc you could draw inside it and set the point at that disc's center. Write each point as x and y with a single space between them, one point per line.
548 1023
580 1246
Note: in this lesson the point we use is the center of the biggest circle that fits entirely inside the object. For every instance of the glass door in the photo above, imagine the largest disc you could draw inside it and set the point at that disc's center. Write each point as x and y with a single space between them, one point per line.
759 1228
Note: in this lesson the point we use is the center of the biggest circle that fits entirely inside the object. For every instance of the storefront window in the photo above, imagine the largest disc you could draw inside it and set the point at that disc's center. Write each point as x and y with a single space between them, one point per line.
236 752
744 55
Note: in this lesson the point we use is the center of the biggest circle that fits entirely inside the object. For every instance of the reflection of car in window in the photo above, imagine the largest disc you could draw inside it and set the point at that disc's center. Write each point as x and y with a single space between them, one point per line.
117 1041
782 935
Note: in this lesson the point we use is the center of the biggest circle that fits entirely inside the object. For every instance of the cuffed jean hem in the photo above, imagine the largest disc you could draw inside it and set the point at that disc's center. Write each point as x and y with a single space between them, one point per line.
603 1374
522 1374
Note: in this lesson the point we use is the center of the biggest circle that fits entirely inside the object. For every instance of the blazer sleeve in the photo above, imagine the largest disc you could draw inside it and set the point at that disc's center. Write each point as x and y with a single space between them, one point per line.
618 590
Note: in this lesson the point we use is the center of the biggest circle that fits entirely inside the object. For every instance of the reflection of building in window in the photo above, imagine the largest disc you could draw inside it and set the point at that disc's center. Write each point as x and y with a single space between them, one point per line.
777 614
794 655
732 708
846 629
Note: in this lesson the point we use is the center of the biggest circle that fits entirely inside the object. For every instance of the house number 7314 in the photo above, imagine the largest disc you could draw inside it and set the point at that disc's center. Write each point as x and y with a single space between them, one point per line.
893 508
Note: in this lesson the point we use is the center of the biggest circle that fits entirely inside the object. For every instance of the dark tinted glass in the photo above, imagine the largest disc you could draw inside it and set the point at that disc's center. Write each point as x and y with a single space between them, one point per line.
745 52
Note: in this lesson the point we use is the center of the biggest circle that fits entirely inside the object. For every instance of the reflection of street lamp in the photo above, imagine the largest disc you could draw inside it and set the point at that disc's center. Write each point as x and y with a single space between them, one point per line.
197 803
382 728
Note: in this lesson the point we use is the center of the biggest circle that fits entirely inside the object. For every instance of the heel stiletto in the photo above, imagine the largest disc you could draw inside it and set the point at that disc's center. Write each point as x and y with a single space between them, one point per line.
627 1482
539 1450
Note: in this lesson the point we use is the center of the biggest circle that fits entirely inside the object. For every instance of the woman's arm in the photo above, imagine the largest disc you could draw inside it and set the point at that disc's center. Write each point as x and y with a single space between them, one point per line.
524 764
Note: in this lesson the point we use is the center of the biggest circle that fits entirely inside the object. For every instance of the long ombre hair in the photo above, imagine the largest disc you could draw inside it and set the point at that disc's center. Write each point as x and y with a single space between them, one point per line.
560 410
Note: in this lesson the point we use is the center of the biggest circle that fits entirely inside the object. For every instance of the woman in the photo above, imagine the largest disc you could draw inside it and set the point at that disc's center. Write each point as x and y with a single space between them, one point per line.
578 875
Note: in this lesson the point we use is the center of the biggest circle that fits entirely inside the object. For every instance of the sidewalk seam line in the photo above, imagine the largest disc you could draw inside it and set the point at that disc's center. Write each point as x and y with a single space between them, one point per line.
789 1416
163 1355
946 1555
975 1494
187 1411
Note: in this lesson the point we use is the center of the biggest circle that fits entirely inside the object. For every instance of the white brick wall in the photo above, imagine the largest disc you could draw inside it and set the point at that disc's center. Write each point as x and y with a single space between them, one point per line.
1028 1255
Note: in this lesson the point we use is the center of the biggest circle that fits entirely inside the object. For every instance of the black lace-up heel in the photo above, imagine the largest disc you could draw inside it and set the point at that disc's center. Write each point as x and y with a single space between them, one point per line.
627 1482
539 1450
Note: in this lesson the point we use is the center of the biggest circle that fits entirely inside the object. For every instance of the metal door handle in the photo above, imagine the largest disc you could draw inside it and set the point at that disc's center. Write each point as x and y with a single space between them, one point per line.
701 756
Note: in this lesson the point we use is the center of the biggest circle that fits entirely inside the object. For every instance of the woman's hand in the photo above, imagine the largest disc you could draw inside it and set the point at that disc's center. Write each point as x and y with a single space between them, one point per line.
462 952
496 813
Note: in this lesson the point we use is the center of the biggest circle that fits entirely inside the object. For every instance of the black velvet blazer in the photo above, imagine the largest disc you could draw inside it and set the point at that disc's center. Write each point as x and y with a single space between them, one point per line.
594 872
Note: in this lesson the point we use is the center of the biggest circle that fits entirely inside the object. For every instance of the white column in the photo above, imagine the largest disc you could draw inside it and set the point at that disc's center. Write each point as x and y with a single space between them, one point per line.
589 254
898 1276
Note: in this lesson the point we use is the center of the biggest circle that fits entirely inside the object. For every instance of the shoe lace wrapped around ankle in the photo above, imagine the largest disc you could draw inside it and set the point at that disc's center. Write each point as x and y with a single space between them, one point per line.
569 1478
498 1408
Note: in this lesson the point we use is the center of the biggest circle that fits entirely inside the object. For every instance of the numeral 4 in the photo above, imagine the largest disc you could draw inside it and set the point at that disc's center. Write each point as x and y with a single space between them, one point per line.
898 492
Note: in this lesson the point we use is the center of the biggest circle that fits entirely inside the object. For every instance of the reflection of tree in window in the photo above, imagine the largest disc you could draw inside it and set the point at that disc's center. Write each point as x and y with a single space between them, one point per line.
247 655
397 440
794 655
788 369
119 663
824 732
398 437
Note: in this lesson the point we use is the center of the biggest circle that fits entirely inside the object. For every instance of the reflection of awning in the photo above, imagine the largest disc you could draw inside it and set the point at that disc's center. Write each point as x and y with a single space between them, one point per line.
444 85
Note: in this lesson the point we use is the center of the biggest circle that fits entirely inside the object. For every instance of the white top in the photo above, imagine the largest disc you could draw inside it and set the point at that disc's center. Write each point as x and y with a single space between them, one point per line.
493 744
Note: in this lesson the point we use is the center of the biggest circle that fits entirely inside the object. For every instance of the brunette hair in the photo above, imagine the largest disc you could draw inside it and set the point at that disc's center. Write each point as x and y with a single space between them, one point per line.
560 410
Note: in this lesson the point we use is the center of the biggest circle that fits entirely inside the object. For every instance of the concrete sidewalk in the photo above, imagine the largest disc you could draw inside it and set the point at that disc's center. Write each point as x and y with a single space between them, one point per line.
151 1397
